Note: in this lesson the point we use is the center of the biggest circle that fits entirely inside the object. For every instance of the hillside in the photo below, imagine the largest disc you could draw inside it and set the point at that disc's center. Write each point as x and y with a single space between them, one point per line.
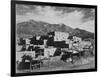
82 33
32 28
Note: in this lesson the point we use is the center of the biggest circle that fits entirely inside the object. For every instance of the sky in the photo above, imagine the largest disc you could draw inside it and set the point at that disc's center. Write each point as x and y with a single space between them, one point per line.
83 18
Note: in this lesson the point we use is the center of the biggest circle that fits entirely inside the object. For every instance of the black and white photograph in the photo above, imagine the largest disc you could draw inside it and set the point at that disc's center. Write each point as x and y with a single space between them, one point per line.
54 38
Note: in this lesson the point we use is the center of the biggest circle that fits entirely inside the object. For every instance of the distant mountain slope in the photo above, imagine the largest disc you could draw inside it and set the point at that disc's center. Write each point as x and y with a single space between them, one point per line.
82 33
32 28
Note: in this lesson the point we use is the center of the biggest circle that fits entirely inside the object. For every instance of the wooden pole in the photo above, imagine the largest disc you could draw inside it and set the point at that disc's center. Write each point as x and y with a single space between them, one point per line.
40 59
30 66
72 53
48 59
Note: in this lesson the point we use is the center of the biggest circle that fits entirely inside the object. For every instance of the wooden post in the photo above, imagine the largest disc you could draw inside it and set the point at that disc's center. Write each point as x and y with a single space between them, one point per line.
48 59
30 66
72 53
40 60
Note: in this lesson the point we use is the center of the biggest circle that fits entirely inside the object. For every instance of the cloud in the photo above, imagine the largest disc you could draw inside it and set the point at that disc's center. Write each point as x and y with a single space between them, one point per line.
74 17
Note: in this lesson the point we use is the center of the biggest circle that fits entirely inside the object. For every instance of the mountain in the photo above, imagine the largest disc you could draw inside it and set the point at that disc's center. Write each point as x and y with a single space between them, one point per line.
82 33
32 28
40 28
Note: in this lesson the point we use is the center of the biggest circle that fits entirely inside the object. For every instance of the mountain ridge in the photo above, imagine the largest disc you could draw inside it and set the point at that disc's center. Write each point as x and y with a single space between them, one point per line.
33 28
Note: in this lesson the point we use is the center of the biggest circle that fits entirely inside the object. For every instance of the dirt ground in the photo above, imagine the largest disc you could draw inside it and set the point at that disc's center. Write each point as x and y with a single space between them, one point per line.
83 63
